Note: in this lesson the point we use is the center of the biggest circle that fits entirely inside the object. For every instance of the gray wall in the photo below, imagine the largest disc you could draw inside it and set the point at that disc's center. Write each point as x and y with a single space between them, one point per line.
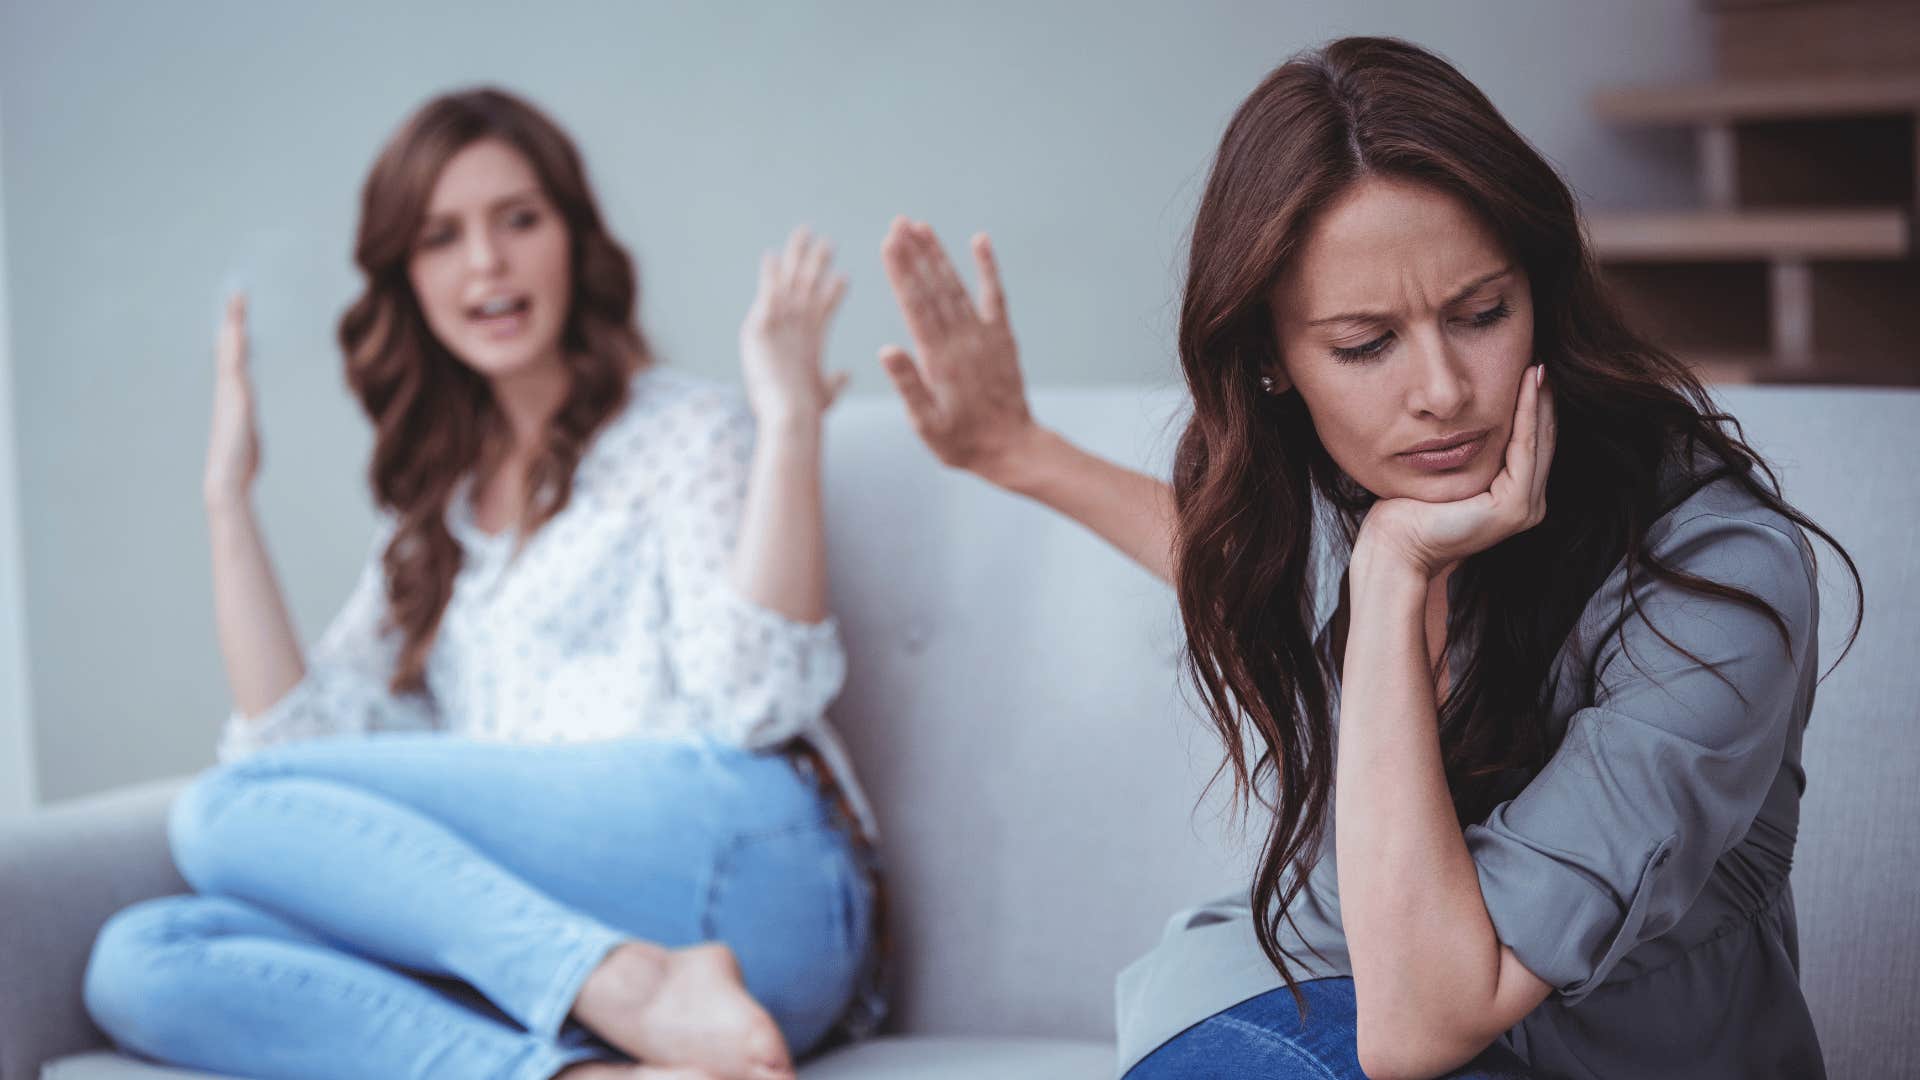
16 730
155 151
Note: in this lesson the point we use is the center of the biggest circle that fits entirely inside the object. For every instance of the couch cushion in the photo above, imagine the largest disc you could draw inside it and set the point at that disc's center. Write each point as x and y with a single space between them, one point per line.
930 1057
918 1058
109 1066
1845 458
1015 711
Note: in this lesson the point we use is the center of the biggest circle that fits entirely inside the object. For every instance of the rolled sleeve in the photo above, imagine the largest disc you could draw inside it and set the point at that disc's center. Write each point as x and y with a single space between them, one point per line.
1665 771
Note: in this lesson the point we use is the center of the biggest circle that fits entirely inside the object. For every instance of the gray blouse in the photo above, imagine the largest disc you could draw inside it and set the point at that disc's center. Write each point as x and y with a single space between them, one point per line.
1643 871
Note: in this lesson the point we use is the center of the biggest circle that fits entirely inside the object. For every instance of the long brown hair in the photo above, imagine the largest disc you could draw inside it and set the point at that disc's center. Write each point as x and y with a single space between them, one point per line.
434 417
1250 471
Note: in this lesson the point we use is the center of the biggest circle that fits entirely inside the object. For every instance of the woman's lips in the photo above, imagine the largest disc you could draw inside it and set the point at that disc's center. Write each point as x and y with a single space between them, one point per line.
504 326
1451 458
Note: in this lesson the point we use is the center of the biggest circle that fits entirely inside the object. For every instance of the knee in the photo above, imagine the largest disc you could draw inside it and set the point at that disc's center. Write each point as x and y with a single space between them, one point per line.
137 957
1267 1035
198 815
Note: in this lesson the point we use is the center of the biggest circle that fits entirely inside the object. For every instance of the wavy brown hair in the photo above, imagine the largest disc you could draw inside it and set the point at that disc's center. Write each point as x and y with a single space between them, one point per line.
1250 471
435 419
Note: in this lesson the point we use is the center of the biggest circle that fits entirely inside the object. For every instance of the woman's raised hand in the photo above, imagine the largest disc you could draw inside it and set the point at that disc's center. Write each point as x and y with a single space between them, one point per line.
964 392
233 444
784 334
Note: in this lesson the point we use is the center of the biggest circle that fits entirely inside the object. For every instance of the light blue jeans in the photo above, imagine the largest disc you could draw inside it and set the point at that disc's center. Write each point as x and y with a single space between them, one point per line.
429 906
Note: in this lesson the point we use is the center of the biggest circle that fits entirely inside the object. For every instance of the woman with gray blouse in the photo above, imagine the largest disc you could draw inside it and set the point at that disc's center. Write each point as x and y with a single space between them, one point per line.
1482 593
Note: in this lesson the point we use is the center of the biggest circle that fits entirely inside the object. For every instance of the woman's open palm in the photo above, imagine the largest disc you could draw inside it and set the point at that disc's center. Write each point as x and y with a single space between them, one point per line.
783 337
233 444
964 392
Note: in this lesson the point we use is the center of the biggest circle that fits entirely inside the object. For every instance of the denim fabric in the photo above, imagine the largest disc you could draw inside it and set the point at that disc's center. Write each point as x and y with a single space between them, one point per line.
1267 1038
425 905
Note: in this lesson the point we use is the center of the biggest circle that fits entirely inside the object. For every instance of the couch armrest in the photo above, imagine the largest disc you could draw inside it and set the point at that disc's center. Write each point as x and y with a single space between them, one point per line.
63 871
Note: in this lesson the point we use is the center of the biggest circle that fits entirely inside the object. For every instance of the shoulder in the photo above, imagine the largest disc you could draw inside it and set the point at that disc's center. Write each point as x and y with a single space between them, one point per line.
667 405
1718 529
674 423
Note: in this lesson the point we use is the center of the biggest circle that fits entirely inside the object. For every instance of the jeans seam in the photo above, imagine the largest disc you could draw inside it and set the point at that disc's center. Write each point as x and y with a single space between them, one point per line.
1275 1039
726 853
556 1001
428 854
346 990
528 1059
546 1062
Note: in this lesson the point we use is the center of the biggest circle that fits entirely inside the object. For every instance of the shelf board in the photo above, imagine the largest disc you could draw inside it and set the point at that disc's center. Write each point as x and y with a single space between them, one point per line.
1722 368
1789 98
1708 235
1726 367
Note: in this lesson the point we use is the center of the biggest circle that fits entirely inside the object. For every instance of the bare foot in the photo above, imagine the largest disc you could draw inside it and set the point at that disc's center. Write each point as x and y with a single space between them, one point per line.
683 1007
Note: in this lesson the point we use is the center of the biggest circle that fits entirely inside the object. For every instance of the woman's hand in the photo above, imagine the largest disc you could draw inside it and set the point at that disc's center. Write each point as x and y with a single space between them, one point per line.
785 332
1430 537
965 396
233 446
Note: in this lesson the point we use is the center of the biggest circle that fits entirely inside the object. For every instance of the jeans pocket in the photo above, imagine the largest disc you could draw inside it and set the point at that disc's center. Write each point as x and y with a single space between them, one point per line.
780 899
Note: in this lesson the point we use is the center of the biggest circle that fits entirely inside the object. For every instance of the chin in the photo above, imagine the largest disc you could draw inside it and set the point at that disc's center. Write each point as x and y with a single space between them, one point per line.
1449 488
1439 487
497 360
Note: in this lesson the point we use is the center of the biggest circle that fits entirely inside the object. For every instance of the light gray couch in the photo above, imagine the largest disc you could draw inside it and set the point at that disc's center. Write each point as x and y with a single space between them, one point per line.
1014 709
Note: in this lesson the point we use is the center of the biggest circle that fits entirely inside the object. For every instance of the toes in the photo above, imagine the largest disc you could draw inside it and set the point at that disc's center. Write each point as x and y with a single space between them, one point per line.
767 1048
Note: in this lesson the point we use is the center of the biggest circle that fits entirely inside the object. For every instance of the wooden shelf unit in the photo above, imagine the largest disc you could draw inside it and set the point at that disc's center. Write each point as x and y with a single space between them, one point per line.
1802 263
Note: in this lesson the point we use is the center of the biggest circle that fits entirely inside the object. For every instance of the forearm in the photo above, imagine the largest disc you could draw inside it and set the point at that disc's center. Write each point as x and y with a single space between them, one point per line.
257 639
780 559
1426 960
1128 509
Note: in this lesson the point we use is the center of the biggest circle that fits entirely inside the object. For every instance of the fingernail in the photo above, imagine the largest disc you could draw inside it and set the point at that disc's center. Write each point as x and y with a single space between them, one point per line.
1539 374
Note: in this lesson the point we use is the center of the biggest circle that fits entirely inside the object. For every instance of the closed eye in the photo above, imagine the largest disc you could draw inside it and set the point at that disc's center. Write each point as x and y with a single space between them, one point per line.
1480 321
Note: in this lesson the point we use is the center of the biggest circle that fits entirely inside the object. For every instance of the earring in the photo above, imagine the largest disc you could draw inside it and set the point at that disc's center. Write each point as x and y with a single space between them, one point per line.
1266 383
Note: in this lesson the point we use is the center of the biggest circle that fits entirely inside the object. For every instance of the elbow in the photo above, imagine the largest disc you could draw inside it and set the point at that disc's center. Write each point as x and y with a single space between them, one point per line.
1398 1063
1386 1059
1378 1066
1398 1052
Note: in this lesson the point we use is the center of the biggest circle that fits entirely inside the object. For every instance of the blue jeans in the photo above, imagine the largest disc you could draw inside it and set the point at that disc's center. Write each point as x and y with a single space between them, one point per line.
1265 1038
425 905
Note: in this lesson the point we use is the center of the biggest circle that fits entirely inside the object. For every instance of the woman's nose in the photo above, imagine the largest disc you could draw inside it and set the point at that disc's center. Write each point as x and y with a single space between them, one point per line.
483 252
1439 388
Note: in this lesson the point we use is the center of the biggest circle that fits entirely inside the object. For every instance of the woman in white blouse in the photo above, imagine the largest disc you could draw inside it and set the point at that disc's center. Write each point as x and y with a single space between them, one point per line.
554 794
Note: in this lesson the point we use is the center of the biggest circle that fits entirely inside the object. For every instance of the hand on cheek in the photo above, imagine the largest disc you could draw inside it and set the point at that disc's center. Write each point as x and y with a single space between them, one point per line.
1429 537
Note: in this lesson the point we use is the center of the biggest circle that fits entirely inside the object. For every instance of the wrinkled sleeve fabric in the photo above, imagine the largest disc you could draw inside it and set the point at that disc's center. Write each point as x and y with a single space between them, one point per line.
345 688
755 676
1667 768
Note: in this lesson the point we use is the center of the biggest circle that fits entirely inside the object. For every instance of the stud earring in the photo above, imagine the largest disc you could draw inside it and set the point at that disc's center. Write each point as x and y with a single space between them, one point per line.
1266 383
